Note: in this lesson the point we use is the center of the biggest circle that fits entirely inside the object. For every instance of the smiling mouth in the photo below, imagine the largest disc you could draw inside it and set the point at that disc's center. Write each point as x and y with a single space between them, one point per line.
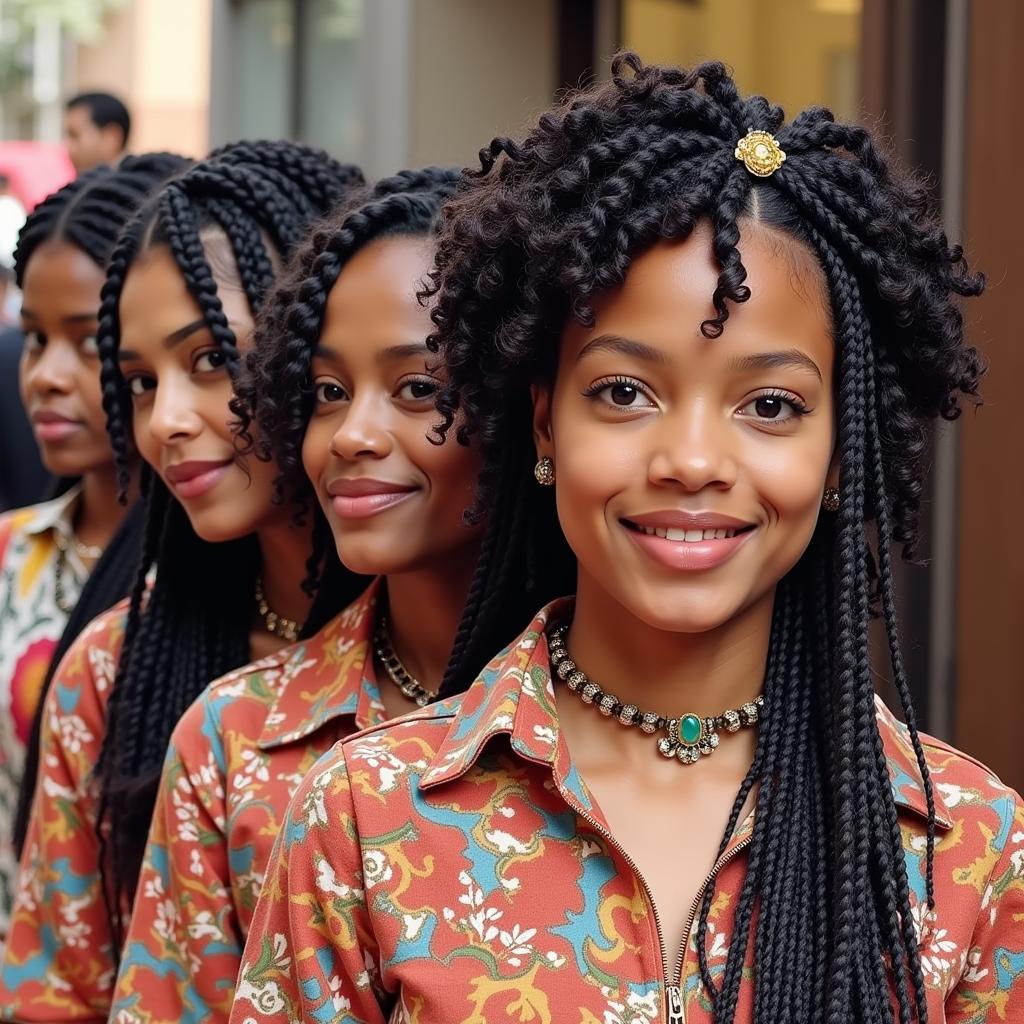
680 535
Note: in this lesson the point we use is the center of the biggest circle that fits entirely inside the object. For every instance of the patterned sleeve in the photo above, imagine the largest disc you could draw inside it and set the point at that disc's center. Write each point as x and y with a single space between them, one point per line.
58 964
184 943
991 986
310 955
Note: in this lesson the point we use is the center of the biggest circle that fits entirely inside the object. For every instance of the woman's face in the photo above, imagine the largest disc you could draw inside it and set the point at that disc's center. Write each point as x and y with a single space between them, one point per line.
180 392
60 370
690 472
394 499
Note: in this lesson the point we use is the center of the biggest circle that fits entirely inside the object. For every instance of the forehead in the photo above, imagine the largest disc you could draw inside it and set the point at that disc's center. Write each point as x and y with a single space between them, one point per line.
60 273
376 292
667 294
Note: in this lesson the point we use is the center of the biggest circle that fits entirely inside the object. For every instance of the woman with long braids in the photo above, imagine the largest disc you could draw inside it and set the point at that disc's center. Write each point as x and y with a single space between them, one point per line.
341 378
48 551
221 576
676 798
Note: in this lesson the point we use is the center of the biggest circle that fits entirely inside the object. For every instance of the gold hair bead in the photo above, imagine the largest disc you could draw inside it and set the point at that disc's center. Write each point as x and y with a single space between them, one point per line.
760 153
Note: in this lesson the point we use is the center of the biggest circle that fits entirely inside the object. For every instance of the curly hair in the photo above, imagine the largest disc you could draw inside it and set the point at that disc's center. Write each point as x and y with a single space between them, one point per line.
548 222
193 623
88 213
276 395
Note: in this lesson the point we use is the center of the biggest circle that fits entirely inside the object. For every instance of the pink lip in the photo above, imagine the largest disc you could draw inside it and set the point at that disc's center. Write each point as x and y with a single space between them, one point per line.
363 496
690 556
194 479
52 426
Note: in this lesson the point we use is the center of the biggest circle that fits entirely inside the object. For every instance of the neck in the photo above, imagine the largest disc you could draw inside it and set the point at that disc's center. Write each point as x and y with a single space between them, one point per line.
99 512
667 672
284 549
424 610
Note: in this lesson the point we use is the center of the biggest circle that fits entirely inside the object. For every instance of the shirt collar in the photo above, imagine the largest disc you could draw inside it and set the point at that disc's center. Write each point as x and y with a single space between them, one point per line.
514 697
328 675
56 514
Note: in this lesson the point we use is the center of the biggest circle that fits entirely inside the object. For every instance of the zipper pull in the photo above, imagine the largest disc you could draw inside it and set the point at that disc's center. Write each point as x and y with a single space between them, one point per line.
674 1004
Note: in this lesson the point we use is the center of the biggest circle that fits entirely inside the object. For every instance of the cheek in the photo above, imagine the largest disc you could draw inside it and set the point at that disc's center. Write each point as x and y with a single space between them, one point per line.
145 443
451 469
316 448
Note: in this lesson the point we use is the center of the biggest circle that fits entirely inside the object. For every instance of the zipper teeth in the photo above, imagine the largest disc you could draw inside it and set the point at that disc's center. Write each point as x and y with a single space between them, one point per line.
728 856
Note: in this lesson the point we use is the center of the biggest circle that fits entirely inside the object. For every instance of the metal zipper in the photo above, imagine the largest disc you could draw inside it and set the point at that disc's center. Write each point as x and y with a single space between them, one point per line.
673 992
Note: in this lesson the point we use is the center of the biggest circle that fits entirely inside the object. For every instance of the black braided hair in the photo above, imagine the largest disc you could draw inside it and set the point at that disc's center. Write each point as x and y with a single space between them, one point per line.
194 622
276 396
91 211
88 213
548 222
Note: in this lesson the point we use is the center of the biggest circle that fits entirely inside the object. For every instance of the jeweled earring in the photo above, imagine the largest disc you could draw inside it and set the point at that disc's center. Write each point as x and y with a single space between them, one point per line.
830 500
544 471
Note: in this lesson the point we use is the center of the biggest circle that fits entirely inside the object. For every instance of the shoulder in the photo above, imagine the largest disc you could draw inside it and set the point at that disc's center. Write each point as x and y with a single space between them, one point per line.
242 693
972 803
91 660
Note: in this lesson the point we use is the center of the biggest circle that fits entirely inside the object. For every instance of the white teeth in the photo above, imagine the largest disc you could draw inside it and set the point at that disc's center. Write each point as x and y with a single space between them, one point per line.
686 536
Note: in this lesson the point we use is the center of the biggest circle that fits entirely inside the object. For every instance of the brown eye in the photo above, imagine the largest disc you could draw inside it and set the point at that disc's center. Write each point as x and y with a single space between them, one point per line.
768 408
622 394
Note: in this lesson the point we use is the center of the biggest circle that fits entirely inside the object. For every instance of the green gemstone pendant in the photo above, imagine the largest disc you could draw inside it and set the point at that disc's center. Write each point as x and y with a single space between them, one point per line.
690 730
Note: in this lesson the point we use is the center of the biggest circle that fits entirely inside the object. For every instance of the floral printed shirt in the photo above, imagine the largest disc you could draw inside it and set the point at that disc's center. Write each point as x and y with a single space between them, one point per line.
30 626
58 959
235 759
452 868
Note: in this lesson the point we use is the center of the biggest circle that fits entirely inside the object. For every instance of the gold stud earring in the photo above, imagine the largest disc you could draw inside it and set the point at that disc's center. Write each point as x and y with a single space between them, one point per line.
830 500
544 471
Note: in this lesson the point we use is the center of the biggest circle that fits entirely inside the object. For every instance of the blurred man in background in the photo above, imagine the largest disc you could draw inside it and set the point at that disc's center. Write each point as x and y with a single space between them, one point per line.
96 129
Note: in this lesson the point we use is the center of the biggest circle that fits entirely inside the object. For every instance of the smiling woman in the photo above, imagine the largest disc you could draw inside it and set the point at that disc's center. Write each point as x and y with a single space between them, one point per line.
48 552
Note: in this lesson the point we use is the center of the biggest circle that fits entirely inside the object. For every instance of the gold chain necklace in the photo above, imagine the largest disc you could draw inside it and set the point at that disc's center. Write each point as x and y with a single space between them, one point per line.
397 672
688 737
275 625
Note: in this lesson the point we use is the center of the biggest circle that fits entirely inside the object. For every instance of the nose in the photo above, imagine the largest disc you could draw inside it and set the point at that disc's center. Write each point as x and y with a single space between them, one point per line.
173 417
694 449
363 431
53 372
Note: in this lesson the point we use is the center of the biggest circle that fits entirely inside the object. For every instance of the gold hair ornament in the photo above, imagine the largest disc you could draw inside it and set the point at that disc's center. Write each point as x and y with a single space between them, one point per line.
760 153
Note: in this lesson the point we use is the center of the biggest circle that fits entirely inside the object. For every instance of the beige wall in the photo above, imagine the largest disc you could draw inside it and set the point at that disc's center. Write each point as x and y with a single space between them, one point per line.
796 52
480 68
155 55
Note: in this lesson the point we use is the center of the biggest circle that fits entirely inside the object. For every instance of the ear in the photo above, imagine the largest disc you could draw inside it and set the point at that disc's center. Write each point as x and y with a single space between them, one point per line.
541 397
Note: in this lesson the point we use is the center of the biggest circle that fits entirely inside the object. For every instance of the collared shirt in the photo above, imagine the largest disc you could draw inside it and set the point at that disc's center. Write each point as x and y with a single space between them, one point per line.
453 868
30 626
234 761
59 958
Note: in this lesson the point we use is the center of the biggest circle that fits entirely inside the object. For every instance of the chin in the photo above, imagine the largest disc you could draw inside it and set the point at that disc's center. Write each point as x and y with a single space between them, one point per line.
220 529
693 609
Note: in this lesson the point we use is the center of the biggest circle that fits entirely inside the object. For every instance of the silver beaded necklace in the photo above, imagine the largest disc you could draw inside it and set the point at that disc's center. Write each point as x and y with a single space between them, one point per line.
688 737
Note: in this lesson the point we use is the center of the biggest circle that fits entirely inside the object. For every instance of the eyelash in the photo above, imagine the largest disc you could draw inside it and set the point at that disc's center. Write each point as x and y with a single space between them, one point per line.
795 402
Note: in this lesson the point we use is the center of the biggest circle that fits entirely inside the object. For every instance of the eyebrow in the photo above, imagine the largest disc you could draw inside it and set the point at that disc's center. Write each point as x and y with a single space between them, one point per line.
391 353
125 355
74 318
790 358
623 347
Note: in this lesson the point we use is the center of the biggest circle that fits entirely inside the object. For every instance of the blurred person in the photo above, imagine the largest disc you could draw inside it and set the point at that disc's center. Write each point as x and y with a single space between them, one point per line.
225 575
47 551
96 129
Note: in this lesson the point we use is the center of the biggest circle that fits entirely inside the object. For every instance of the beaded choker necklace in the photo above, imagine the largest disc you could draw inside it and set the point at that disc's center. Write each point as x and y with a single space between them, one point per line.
275 625
688 737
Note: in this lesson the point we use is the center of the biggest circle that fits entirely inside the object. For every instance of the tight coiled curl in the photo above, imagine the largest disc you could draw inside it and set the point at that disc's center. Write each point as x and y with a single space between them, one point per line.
193 624
548 222
88 213
277 395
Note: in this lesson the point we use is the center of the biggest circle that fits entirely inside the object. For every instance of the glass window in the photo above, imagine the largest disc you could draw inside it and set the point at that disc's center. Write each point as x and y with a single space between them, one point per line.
798 53
263 47
330 112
